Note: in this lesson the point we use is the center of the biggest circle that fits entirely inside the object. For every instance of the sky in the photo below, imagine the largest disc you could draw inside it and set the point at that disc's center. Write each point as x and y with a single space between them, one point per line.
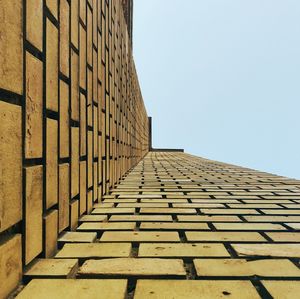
221 79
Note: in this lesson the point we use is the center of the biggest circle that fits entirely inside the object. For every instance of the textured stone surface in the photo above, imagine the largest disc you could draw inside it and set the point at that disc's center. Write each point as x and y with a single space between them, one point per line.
11 264
64 121
77 237
51 163
90 226
10 165
33 212
46 268
182 289
133 267
140 237
181 250
283 289
51 66
11 46
34 107
94 250
243 267
64 195
71 288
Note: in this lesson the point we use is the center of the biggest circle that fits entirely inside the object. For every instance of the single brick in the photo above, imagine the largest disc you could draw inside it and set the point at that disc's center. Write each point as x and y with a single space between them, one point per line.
74 162
74 214
182 250
11 265
51 163
74 86
229 211
141 218
174 226
74 22
64 121
34 23
195 289
74 288
82 187
113 211
77 237
142 205
285 237
225 236
34 107
280 250
11 46
94 250
133 267
51 229
93 218
91 226
207 218
243 267
64 197
248 226
33 212
10 163
64 17
140 237
167 211
47 268
51 66
264 218
283 289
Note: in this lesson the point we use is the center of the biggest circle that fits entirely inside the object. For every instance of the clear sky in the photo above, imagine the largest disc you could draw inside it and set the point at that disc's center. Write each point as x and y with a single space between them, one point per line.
221 78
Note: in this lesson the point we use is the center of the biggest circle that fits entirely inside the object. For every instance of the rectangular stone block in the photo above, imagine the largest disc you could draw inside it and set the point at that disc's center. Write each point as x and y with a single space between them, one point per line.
182 289
89 37
74 86
279 250
114 211
74 161
90 226
248 226
33 212
10 164
64 120
51 228
64 36
243 267
82 59
51 163
90 159
285 237
282 289
167 211
173 226
93 218
133 267
182 250
142 205
94 250
82 187
34 23
78 237
229 211
34 107
74 22
225 236
140 237
51 66
74 288
74 211
265 218
207 218
11 62
11 264
141 218
52 268
64 197
82 125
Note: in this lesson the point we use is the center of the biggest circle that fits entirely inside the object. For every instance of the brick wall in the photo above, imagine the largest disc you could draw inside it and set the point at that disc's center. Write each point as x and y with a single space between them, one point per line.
72 120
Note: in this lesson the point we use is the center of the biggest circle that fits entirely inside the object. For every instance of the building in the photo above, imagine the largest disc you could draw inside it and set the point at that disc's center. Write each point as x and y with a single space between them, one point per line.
83 193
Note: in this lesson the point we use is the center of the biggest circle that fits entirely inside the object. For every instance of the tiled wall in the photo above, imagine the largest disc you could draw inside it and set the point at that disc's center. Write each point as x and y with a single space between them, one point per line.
72 120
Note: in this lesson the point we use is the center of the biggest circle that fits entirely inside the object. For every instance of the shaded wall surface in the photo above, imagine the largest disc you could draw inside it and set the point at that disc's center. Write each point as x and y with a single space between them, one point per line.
72 120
